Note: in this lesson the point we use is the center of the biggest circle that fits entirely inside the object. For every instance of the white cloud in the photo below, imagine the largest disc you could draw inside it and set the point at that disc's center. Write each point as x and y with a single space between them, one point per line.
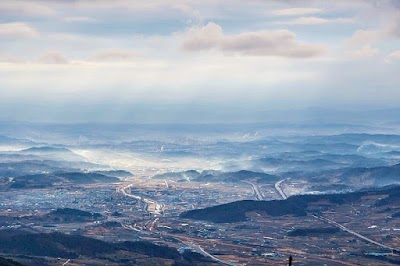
281 43
5 58
100 60
296 11
25 8
79 19
144 80
203 38
139 7
314 21
17 30
366 37
393 56
388 29
113 56
363 52
52 58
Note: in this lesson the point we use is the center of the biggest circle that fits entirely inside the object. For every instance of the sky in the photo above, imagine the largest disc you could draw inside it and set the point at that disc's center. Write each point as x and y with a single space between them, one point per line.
162 61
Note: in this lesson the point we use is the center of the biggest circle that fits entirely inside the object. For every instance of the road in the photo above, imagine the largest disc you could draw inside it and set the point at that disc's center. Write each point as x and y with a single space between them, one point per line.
152 207
257 192
279 189
130 227
123 190
158 208
354 233
65 263
151 225
200 250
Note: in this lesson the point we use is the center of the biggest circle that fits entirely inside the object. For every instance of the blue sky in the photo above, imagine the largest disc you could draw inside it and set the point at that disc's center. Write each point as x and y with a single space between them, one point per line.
187 61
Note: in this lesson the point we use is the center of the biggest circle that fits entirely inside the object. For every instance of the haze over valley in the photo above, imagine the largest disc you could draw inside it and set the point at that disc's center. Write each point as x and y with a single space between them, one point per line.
182 132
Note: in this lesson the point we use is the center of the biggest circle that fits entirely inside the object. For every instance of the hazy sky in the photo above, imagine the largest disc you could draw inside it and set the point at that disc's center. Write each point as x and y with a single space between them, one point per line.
182 60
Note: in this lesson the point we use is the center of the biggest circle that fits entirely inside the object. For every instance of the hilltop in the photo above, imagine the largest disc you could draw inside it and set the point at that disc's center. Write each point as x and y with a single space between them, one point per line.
298 205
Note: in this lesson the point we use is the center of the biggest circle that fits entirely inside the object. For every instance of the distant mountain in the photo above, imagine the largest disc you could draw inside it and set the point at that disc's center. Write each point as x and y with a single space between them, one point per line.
298 205
354 160
12 164
115 173
5 140
54 153
185 175
218 176
17 157
59 178
311 162
356 177
29 167
363 143
236 176
357 138
281 165
87 178
381 176
393 153
45 149
15 169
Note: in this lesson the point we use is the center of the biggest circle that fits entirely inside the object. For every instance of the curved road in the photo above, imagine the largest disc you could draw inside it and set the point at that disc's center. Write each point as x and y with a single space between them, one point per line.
200 250
151 224
256 190
158 208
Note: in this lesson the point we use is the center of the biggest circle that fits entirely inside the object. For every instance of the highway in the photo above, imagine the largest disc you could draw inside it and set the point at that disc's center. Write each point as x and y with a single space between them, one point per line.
354 233
279 189
130 227
156 211
65 263
200 250
158 208
257 192
123 190
151 225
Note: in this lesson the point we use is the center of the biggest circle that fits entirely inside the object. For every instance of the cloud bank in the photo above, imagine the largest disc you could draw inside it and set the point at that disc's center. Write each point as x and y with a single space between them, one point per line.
280 43
17 30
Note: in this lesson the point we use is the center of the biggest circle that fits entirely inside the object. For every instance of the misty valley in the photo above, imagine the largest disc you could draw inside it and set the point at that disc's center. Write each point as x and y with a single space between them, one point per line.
196 133
203 195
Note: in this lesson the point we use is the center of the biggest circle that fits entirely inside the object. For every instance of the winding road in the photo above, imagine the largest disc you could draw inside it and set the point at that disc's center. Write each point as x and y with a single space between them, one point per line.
158 208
